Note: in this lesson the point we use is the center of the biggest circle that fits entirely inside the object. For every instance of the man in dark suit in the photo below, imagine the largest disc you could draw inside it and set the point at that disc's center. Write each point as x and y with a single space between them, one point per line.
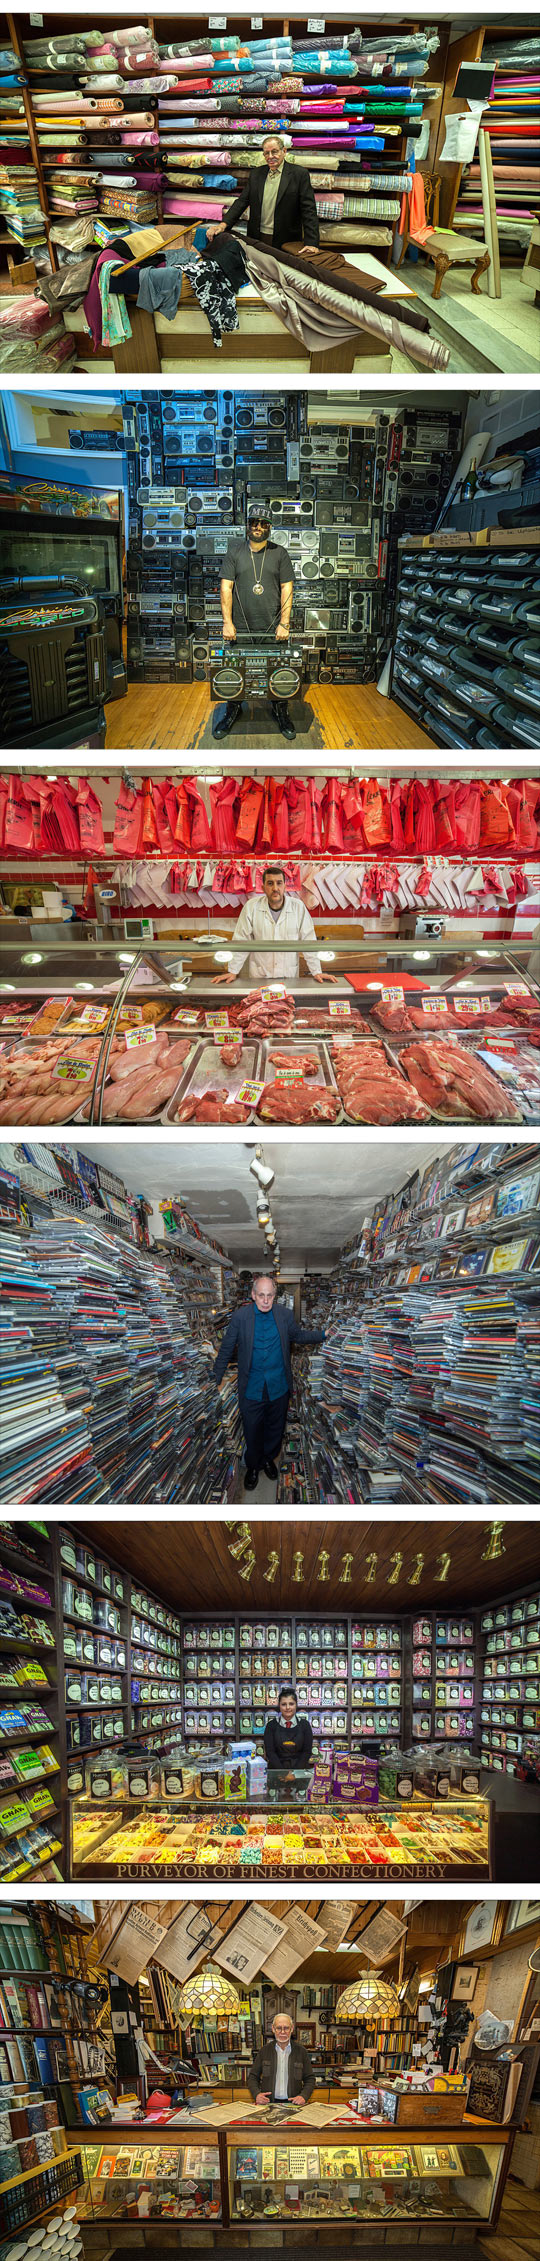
263 1337
282 2068
278 198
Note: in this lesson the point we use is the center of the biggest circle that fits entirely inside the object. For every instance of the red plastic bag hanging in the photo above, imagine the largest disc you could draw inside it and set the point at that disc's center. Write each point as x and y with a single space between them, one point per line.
60 819
523 818
4 789
396 799
19 822
223 798
444 817
201 837
467 814
90 819
265 827
315 795
128 825
299 814
149 827
423 818
281 819
251 801
351 816
165 834
496 828
179 814
376 818
332 823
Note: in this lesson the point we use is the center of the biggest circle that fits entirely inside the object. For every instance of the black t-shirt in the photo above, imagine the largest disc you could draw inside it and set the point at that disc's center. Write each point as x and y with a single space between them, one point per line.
257 615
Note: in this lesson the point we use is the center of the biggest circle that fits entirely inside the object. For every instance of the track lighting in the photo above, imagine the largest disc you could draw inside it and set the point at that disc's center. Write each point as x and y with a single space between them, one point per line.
263 1211
259 1169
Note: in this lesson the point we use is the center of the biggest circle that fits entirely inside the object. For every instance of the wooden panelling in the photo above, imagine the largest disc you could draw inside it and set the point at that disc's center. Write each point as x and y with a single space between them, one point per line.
195 1570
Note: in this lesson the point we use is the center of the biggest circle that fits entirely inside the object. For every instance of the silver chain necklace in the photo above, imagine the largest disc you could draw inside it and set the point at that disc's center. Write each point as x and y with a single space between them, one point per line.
258 590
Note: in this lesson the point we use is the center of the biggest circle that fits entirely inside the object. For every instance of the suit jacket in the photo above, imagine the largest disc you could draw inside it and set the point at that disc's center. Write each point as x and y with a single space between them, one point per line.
239 1335
295 216
273 1743
300 2074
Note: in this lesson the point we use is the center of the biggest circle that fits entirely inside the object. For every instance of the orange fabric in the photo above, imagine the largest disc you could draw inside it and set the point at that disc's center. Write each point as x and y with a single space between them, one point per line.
413 208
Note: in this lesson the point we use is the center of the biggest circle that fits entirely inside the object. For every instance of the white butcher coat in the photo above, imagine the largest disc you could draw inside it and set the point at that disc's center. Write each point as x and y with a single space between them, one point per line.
256 924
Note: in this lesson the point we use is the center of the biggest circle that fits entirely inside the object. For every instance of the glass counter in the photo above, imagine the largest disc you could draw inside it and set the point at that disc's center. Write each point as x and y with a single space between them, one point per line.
354 2178
252 1843
177 1024
130 2180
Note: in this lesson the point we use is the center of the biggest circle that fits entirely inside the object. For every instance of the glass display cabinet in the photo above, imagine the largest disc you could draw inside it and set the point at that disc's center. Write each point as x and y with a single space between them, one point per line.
252 1842
372 2179
133 2179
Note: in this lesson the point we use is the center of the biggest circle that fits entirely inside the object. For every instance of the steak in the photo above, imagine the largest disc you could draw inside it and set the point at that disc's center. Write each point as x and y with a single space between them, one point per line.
297 1103
372 1090
304 1063
456 1084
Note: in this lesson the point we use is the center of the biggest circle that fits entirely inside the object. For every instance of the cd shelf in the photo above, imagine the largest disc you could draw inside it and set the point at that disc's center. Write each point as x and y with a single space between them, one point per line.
30 1805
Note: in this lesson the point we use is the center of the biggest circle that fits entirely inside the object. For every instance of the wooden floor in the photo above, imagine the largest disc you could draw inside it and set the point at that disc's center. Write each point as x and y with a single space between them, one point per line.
517 2236
342 717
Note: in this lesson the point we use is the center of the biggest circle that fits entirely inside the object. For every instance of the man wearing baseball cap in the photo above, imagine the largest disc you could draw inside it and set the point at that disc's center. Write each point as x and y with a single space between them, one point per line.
256 602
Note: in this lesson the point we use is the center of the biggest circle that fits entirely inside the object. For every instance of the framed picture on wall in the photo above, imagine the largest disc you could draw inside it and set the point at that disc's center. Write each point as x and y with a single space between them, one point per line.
483 1926
520 1914
465 1982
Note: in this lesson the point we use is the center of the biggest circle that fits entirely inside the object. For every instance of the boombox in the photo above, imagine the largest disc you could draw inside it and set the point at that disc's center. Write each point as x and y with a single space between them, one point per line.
189 408
205 652
97 440
419 482
161 540
302 542
326 616
335 487
325 448
257 485
260 415
345 544
189 440
170 520
285 513
211 502
269 445
162 498
257 672
171 604
342 513
308 568
215 543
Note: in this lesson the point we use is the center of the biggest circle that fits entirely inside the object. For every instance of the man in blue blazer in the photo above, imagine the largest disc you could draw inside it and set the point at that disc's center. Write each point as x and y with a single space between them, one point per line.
263 1333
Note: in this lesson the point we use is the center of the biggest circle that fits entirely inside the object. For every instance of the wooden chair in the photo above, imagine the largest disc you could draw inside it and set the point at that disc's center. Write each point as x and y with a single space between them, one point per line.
446 246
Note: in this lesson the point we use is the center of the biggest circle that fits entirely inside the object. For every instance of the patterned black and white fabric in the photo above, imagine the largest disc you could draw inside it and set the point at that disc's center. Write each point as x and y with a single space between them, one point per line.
215 295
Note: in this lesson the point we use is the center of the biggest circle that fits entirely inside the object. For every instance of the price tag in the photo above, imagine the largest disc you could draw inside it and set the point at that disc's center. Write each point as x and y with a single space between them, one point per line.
216 1020
256 23
217 23
339 1008
225 1035
287 1075
94 1015
131 1013
135 1036
392 997
249 1094
434 1005
517 989
468 1005
187 1020
316 23
15 1016
269 995
73 1071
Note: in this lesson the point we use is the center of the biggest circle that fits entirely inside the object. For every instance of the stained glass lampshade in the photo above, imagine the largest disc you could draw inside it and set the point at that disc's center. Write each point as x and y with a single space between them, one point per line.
369 1996
208 1993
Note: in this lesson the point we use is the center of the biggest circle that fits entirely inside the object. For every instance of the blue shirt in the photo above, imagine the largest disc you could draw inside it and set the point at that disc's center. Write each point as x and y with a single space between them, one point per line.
267 1361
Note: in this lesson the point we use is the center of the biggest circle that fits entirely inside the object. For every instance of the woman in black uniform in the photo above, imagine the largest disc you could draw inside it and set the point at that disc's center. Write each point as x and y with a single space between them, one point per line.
288 1740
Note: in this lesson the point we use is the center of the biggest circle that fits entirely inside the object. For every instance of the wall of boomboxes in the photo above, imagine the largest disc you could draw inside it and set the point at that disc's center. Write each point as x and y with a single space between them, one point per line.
339 498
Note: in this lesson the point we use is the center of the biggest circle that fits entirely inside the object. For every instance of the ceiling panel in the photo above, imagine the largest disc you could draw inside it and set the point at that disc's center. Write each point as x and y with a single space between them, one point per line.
365 1564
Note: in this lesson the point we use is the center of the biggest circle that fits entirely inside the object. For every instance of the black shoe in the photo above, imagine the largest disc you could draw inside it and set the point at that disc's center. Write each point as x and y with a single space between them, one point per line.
270 1469
283 718
221 728
251 1479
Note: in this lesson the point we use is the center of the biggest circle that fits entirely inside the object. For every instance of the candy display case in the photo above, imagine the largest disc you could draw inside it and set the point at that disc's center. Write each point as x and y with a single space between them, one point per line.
338 2175
134 2179
294 1840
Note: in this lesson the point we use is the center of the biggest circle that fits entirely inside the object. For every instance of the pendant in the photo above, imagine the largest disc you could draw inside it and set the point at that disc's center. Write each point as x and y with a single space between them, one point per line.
258 590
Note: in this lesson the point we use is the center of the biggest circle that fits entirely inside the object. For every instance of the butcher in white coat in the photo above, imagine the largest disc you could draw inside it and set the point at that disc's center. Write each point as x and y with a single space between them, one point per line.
282 919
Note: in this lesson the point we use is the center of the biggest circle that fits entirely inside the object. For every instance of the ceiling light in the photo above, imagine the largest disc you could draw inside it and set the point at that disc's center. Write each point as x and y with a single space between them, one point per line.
84 985
5 985
263 1212
422 953
209 1992
260 1170
223 957
32 958
368 1997
126 957
329 955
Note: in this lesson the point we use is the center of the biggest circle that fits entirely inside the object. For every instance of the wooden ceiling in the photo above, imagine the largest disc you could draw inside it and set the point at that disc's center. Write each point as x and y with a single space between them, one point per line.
367 1565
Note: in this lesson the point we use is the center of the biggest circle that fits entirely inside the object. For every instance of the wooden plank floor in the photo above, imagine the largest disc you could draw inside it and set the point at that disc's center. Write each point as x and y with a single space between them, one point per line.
517 2236
341 717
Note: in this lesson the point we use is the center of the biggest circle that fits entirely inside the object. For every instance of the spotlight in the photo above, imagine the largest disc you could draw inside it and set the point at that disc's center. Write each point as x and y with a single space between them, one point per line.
264 1216
259 1169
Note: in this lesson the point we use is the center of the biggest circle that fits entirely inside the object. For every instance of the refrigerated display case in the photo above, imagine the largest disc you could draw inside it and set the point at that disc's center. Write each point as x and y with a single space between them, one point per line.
462 1044
323 1839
